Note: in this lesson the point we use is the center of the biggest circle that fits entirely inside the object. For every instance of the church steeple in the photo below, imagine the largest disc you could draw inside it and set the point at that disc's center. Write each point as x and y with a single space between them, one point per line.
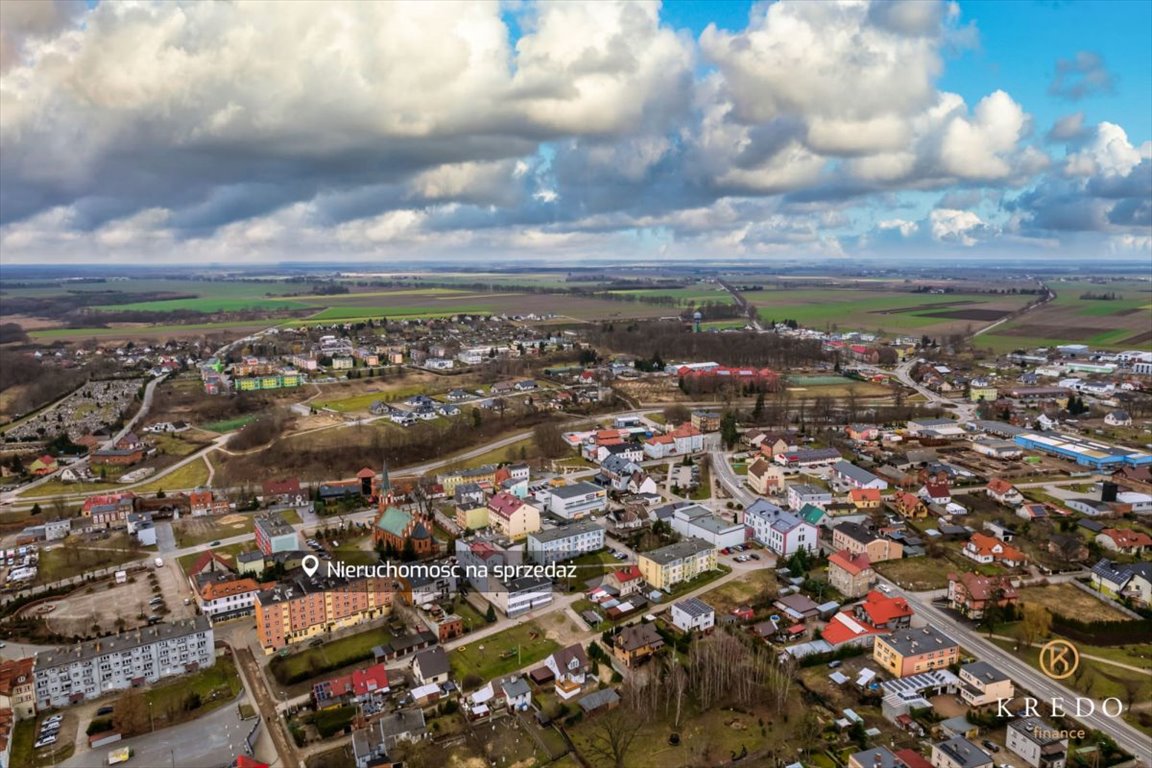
385 495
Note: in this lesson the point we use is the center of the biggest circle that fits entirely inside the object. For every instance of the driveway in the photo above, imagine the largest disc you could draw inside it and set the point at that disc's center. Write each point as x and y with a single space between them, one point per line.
165 538
209 742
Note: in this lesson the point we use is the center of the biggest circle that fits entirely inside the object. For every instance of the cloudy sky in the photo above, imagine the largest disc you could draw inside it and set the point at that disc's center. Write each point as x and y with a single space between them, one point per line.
271 131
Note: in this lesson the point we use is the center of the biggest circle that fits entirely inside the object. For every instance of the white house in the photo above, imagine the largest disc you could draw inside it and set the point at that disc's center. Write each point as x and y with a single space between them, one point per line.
555 544
801 494
1037 743
782 532
848 475
572 502
693 614
1118 419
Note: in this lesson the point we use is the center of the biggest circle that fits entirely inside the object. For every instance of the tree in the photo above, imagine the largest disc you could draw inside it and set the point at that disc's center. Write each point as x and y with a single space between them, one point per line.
130 716
477 418
1035 623
36 509
758 409
490 615
612 734
676 414
549 440
729 432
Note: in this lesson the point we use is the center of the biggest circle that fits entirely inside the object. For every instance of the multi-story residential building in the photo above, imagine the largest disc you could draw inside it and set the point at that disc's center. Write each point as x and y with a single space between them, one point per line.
481 475
1037 743
693 614
981 684
971 594
274 535
782 532
18 687
471 516
802 494
72 674
574 501
303 608
511 516
912 651
698 521
221 596
850 574
665 567
857 539
958 752
682 440
554 544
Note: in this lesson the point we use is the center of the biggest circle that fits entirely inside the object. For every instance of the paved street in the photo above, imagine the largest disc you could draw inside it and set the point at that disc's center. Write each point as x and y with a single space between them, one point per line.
209 742
1039 684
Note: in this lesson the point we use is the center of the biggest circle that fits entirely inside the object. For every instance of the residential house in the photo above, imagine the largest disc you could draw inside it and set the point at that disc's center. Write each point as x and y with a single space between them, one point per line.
626 581
471 516
431 667
958 752
877 757
1124 540
667 566
1068 547
782 532
636 642
862 433
1032 512
911 651
357 686
1133 580
883 611
43 466
109 510
1003 492
971 594
981 684
865 499
850 574
858 539
1038 743
1118 418
569 668
909 505
18 687
987 549
693 614
936 492
223 596
284 491
682 440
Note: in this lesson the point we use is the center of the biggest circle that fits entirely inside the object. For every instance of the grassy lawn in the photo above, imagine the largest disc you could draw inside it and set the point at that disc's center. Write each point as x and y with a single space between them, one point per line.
502 653
192 475
473 619
23 754
521 449
60 488
174 445
333 654
753 586
916 573
218 685
703 579
704 489
229 425
66 560
191 531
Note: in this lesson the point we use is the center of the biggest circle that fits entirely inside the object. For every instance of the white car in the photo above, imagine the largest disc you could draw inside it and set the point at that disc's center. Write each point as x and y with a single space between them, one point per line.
54 719
46 741
884 588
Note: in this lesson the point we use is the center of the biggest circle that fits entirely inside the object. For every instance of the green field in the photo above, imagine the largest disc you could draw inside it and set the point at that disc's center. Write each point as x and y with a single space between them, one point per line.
207 305
887 310
502 653
229 425
192 475
331 655
1122 323
684 295
364 313
151 331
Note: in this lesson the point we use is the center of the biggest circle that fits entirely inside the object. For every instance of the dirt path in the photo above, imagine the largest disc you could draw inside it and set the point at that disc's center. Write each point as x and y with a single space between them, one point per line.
266 705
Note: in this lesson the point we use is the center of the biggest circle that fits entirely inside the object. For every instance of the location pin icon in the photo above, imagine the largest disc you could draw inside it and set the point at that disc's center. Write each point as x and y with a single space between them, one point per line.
310 564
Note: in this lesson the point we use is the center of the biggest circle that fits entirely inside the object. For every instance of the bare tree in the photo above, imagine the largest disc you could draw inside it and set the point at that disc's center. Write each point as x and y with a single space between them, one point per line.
612 734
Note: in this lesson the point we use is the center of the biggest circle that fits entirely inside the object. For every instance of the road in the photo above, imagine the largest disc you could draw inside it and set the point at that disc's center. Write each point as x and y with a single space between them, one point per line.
141 412
207 742
732 482
1041 686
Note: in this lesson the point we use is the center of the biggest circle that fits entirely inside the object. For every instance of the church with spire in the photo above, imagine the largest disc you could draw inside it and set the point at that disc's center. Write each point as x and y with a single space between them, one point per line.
397 528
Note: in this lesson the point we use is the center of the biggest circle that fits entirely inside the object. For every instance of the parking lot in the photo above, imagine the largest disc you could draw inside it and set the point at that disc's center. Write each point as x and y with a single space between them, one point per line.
102 604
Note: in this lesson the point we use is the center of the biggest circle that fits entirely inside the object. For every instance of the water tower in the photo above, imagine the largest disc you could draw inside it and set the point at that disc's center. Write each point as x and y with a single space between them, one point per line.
696 318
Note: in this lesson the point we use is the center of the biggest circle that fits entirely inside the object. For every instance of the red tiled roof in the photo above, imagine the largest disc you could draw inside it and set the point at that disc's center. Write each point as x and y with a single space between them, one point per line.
853 564
843 628
999 485
504 504
882 609
864 494
366 474
986 545
628 573
982 587
1126 538
913 759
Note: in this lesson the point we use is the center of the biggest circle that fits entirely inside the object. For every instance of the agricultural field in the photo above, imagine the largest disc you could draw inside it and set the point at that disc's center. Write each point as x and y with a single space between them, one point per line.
695 295
884 309
1121 323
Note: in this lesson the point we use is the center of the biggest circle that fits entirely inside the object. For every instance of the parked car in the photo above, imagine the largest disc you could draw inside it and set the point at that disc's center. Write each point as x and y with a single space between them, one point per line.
46 741
105 711
990 745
